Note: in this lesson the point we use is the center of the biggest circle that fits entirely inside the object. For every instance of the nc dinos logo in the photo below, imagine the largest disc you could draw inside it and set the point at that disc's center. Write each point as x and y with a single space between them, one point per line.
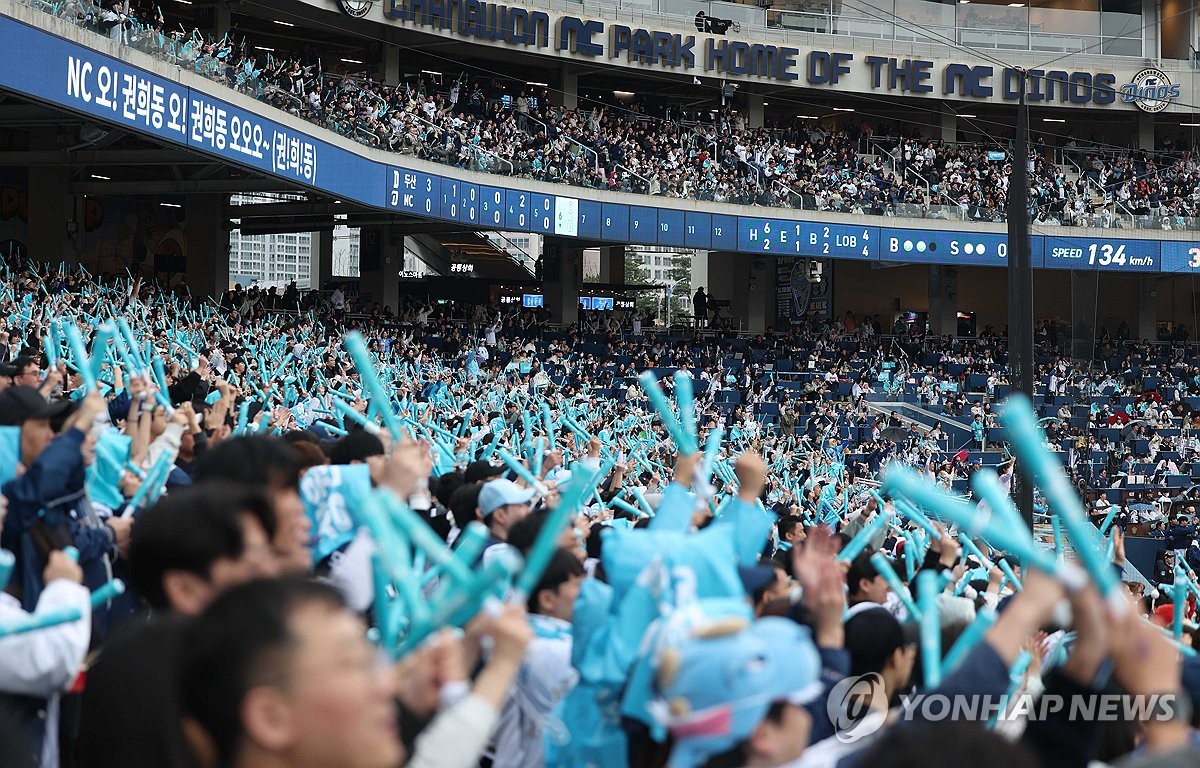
1150 90
356 8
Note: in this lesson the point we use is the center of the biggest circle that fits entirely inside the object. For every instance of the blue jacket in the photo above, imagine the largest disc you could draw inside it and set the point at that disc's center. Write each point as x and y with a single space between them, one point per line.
48 490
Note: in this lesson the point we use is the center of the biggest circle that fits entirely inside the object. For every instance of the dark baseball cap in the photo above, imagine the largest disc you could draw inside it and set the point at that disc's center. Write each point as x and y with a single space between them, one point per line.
20 404
481 470
872 636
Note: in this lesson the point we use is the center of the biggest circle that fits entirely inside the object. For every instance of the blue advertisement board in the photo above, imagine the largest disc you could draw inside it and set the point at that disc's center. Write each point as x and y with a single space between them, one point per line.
116 92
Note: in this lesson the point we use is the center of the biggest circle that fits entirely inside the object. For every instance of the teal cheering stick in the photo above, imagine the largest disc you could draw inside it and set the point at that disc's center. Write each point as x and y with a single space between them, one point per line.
348 412
970 548
1010 575
1179 593
861 539
47 619
1112 513
395 554
1018 418
422 537
538 456
685 394
151 484
910 555
100 344
468 547
546 543
912 513
902 481
968 639
931 628
7 561
670 423
521 471
160 378
380 401
880 561
622 504
79 357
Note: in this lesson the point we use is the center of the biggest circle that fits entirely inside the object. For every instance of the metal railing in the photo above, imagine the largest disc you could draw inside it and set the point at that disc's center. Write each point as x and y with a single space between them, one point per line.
183 49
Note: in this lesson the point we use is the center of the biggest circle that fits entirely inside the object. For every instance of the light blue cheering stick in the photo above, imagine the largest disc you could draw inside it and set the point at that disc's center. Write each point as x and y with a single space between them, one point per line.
635 511
386 617
1056 526
151 483
685 400
422 537
80 357
160 378
546 543
1010 575
1112 513
348 412
641 500
51 346
861 539
931 628
910 555
380 401
463 604
670 423
100 351
912 513
243 416
47 619
902 481
538 455
1021 423
1016 674
880 561
712 447
467 549
394 554
522 471
968 639
1179 593
7 561
970 548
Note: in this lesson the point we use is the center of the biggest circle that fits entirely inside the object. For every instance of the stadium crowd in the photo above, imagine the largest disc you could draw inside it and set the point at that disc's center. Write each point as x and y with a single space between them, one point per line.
267 489
851 166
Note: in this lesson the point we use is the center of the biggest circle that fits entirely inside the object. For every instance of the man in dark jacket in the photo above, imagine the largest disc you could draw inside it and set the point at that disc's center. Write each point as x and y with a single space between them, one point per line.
49 480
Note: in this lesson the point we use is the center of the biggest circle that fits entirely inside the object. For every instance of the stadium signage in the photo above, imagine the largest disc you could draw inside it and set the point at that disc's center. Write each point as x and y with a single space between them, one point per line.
118 92
721 56
1151 90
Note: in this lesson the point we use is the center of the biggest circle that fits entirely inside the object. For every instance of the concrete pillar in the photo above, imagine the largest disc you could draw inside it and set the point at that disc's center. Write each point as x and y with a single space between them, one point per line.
569 88
754 110
381 258
612 265
761 294
320 268
943 300
747 283
1084 296
214 18
1145 131
562 275
949 126
390 66
55 225
1147 307
207 244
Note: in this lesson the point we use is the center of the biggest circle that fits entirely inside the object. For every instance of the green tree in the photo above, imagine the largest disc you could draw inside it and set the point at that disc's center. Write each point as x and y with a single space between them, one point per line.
635 273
